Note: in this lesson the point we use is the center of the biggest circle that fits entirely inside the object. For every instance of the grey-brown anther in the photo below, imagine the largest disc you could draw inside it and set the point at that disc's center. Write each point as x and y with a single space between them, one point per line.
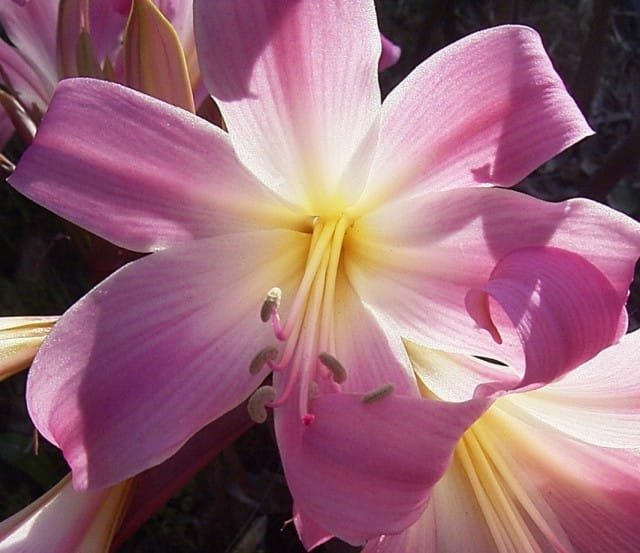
378 393
337 370
271 304
258 402
262 357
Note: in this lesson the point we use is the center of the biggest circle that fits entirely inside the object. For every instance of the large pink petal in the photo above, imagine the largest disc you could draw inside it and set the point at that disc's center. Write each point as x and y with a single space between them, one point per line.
597 403
586 494
66 520
297 84
361 469
487 109
562 308
139 172
453 521
427 252
158 350
31 26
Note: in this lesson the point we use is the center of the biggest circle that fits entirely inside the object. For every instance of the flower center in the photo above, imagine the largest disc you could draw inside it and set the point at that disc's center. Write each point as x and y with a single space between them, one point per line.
306 364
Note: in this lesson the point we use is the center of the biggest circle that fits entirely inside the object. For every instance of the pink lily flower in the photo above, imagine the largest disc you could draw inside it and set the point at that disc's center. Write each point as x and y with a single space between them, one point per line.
550 469
53 40
359 222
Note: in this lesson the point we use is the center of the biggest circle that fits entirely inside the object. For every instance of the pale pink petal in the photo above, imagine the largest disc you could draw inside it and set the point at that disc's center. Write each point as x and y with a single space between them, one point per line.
32 29
427 252
597 403
154 487
453 376
139 172
66 520
390 53
22 80
563 310
297 84
158 350
488 109
587 495
20 338
365 468
370 356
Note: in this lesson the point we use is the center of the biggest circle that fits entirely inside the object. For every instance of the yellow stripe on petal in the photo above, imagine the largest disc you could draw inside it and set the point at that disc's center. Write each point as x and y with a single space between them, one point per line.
517 516
20 338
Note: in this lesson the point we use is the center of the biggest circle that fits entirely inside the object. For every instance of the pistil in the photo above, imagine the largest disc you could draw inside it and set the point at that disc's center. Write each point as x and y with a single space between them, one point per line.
308 329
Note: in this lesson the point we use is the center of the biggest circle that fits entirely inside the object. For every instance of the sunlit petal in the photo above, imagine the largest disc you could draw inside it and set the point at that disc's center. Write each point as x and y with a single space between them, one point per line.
296 106
464 116
175 178
176 329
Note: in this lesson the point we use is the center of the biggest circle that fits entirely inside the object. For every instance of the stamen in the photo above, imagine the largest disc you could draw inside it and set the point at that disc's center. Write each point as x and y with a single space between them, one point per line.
337 370
258 402
378 393
271 304
262 357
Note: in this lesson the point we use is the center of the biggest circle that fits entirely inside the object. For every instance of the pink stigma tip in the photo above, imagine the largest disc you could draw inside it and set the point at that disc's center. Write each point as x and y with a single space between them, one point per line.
308 419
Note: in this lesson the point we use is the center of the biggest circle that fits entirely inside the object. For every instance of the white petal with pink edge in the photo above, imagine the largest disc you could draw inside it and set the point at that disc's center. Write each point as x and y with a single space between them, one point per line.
297 84
597 403
427 252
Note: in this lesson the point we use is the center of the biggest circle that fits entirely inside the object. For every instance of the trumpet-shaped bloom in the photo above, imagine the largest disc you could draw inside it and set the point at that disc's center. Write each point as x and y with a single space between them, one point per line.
344 224
551 469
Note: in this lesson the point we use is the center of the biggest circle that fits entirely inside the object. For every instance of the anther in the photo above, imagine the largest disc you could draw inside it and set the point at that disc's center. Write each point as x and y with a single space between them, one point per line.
337 370
258 402
378 393
262 357
271 304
